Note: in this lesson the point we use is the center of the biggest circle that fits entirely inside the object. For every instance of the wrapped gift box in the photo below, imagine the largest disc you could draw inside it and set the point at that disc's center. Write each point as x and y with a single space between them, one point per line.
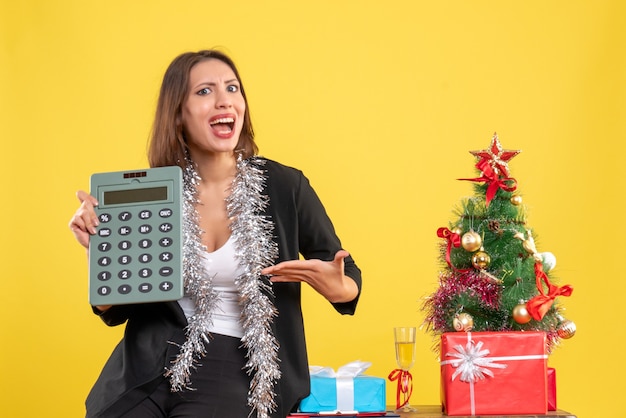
551 389
347 390
494 373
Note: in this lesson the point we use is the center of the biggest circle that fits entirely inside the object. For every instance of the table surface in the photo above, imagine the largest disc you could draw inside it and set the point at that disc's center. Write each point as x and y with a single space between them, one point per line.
434 411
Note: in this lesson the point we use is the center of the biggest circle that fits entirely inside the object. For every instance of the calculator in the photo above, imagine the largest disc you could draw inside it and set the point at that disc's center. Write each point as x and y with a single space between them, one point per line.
136 254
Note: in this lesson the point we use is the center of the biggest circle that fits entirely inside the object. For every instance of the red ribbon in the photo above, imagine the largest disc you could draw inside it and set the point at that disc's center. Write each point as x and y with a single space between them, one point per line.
538 306
405 386
454 240
494 180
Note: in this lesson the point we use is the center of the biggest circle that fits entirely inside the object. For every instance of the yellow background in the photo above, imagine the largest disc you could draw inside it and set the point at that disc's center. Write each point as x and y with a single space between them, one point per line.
379 104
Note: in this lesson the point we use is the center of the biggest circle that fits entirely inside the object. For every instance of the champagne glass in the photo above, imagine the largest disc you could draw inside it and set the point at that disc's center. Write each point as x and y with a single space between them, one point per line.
405 357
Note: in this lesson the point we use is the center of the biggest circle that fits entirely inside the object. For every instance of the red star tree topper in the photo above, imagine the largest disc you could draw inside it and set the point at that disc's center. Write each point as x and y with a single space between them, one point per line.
496 157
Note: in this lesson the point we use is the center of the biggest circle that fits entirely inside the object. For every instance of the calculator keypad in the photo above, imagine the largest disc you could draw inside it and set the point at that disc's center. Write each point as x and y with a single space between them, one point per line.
127 255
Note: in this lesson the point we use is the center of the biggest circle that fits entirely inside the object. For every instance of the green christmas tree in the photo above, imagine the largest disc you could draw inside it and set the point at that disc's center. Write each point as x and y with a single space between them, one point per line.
492 276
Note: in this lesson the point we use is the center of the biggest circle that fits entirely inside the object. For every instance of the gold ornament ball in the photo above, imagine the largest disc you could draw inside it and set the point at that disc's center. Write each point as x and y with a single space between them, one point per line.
481 260
521 314
516 200
457 230
471 241
463 322
567 329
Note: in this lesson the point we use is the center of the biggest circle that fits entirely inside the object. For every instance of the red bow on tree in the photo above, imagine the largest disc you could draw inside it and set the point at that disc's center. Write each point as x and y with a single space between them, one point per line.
492 178
538 306
454 240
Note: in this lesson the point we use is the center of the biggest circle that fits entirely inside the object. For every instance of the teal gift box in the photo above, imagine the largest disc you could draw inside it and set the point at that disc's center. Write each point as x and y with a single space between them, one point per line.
345 391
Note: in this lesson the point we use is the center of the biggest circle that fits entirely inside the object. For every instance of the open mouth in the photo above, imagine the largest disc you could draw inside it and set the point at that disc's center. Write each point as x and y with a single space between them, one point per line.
223 125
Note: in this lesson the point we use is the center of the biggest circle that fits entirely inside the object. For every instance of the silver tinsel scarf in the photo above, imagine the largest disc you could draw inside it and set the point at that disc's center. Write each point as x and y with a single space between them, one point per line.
255 249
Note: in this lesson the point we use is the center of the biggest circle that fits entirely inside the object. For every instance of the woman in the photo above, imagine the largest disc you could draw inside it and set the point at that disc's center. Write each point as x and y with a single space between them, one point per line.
234 345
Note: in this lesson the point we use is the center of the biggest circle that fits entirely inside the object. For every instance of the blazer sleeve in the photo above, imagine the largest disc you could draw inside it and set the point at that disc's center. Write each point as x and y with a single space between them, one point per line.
318 239
115 315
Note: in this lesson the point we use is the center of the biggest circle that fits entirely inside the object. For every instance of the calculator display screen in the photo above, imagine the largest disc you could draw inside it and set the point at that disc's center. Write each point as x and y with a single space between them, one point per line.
151 194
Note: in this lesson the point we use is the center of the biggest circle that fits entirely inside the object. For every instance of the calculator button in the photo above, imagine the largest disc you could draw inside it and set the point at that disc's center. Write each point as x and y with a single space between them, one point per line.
165 213
166 227
104 261
145 273
145 287
145 214
145 243
165 242
145 229
124 245
104 247
165 271
124 230
124 289
124 216
124 259
124 274
104 232
104 290
165 257
165 286
104 217
145 258
104 275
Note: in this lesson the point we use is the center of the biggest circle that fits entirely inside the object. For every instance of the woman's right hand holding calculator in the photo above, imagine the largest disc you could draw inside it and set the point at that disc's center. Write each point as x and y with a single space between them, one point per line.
84 222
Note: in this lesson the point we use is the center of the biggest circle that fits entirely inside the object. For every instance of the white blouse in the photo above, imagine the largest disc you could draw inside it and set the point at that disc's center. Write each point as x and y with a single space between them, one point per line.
222 265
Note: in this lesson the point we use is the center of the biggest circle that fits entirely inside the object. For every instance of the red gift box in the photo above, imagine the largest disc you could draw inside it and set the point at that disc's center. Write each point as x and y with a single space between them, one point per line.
551 389
494 373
